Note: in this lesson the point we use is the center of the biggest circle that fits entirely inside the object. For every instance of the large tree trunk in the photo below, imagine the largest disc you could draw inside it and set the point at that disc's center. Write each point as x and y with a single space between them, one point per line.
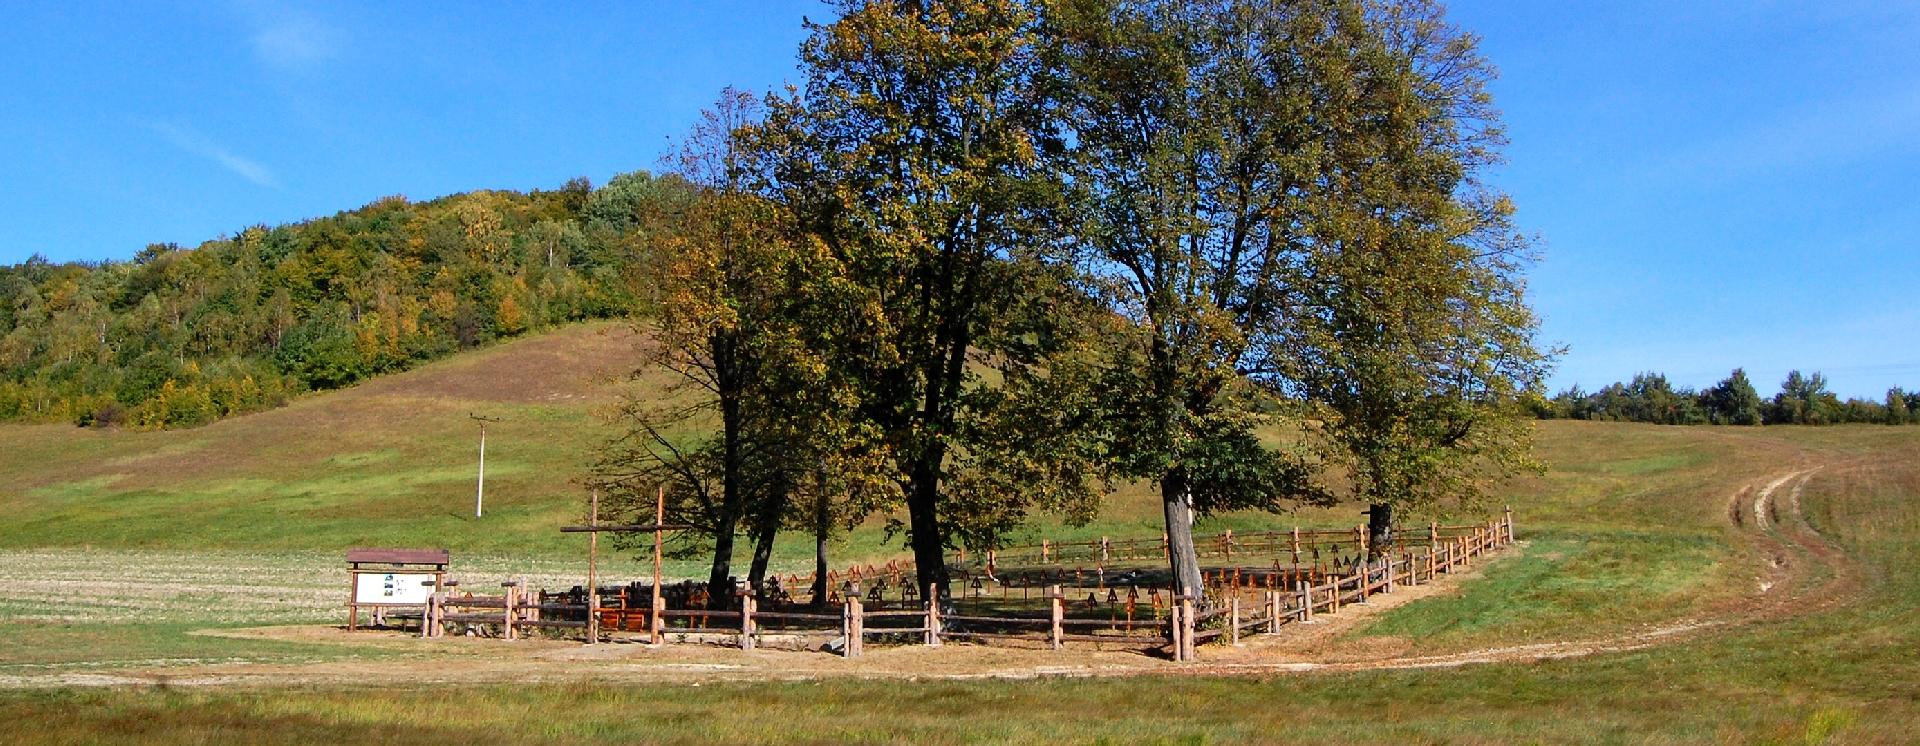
929 551
728 377
943 382
822 526
1379 530
1177 501
1176 488
763 546
720 577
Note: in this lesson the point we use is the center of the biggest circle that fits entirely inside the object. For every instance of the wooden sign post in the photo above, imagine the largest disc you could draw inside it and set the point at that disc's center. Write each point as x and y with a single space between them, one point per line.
658 528
593 570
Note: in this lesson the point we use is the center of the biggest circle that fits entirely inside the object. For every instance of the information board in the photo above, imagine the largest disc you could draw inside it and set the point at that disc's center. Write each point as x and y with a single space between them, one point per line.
396 588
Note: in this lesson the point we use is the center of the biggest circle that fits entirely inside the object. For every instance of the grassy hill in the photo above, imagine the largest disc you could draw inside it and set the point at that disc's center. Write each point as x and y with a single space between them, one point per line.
388 462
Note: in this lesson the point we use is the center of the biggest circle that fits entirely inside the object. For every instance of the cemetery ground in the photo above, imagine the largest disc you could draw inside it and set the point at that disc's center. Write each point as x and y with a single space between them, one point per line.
177 587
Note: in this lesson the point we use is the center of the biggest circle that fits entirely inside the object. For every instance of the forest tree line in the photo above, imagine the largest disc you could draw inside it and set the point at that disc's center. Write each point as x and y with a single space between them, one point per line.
180 337
991 257
1802 400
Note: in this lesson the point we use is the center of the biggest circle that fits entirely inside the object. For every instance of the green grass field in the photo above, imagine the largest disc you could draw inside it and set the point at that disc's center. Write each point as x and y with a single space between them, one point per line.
1629 530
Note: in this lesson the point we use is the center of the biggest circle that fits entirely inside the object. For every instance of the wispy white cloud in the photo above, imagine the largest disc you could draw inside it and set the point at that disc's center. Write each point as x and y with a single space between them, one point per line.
297 43
197 144
1836 133
289 38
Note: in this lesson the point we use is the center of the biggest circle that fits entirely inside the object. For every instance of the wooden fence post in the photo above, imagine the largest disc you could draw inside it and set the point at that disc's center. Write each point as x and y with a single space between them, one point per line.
1106 550
747 606
1056 604
846 626
933 616
507 618
1173 629
1306 600
1273 612
1234 635
1046 550
1296 546
593 613
1226 543
1188 623
853 626
657 624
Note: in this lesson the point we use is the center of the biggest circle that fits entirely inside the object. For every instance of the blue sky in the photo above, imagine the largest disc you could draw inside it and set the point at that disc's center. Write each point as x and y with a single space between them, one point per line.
1716 184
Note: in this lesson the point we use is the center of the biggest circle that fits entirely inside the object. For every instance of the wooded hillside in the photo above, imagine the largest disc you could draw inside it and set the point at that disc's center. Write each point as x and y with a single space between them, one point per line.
179 337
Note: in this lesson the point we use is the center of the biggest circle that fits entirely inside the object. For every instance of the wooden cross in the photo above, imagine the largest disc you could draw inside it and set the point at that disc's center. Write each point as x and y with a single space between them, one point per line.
594 529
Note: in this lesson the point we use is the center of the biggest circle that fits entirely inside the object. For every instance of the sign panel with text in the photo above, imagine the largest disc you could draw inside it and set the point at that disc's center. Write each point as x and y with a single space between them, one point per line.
398 588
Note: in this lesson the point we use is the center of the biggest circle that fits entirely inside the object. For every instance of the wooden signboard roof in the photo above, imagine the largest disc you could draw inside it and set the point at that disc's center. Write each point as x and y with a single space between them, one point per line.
400 556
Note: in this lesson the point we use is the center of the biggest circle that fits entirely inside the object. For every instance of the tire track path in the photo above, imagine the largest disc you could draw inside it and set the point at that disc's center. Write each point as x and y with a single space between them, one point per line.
1795 556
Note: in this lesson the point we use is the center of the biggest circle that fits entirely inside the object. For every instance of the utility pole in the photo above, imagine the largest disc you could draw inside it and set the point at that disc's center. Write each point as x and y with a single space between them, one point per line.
480 494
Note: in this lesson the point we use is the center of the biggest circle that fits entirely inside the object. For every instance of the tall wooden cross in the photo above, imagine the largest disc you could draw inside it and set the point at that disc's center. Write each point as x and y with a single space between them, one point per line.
658 528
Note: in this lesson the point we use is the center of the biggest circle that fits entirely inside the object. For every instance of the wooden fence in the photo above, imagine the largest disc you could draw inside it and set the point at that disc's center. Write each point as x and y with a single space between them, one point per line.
1297 554
1237 600
1295 545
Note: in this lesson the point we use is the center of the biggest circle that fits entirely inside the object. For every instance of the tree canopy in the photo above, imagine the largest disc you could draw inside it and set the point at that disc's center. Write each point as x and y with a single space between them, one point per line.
990 258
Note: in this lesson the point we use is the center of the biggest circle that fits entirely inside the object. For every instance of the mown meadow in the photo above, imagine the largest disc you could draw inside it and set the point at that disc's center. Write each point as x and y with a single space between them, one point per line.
1629 529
